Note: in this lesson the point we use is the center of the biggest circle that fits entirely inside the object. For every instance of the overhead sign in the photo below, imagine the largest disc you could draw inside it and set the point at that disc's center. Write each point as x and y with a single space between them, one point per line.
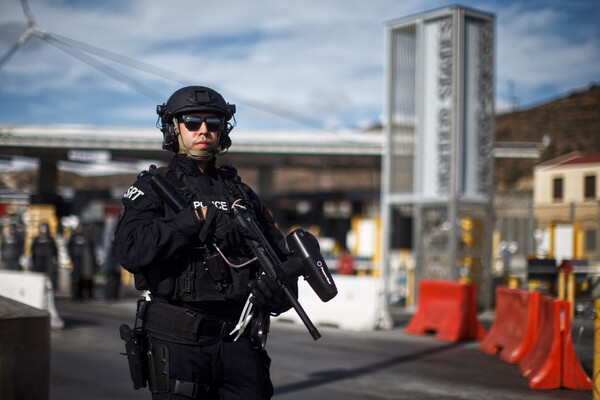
441 106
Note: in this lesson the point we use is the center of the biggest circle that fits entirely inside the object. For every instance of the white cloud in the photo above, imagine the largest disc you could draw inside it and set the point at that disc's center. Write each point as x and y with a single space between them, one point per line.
536 52
321 58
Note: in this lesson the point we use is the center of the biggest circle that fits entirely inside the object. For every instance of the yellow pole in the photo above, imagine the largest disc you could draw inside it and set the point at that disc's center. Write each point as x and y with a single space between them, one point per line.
561 283
513 283
578 240
571 291
596 379
410 287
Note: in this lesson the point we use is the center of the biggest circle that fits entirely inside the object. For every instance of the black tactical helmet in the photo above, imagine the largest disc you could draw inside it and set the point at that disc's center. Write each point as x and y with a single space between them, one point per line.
193 99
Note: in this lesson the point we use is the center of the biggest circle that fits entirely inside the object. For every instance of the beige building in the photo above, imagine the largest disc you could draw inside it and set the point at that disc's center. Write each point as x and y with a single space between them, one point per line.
566 206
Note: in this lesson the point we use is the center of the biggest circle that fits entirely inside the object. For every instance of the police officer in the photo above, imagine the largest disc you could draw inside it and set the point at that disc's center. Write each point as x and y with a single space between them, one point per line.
82 252
194 263
12 248
44 254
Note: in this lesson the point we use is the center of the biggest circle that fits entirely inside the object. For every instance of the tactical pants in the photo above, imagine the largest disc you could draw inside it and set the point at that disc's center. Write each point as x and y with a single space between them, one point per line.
222 370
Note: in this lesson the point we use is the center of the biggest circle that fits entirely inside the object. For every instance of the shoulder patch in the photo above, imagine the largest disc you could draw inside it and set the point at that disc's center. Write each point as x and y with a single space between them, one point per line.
133 193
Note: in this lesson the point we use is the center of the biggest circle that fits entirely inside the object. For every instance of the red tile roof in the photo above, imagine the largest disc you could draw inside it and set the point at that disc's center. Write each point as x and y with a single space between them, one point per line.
576 157
584 159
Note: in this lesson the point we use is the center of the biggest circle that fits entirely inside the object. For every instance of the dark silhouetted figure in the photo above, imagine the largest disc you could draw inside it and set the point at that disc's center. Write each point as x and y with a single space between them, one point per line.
113 274
44 254
83 257
11 248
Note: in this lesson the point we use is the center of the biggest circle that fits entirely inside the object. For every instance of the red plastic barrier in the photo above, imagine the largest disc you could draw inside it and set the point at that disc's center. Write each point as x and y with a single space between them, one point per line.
447 308
552 363
514 329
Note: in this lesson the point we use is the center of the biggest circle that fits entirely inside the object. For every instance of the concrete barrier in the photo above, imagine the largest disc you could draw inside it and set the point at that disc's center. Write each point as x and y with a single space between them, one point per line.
358 306
24 351
33 289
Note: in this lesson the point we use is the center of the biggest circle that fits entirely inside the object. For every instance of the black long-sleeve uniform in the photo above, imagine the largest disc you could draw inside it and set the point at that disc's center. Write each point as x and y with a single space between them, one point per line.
156 243
166 251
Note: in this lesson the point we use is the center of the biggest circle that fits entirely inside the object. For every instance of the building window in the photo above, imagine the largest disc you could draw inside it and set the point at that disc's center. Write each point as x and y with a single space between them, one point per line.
590 241
557 189
590 187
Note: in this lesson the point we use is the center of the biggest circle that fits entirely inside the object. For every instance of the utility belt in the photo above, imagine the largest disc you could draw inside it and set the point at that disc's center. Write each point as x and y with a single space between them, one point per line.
183 325
149 361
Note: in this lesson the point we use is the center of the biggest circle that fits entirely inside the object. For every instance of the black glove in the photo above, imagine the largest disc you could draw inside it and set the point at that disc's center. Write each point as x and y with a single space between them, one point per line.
267 294
222 228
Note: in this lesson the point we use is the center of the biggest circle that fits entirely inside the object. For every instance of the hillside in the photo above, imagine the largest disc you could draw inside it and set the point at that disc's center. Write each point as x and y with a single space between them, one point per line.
570 123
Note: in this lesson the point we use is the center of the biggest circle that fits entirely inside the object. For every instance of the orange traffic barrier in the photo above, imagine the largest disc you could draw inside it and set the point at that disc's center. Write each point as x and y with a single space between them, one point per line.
447 308
551 362
515 325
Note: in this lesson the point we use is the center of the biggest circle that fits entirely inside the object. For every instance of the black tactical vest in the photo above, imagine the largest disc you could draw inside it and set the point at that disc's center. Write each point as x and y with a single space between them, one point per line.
200 274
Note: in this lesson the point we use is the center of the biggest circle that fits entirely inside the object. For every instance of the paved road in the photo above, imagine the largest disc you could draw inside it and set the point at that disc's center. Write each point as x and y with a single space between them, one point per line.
86 362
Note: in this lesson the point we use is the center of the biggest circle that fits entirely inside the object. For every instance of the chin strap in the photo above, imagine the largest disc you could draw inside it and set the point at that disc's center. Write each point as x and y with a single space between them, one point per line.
198 155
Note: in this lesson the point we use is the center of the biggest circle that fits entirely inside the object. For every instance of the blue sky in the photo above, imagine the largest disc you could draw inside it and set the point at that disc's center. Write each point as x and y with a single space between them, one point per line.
286 65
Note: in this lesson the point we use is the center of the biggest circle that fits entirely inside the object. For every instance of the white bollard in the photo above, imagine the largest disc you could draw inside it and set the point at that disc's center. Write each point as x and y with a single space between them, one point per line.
31 288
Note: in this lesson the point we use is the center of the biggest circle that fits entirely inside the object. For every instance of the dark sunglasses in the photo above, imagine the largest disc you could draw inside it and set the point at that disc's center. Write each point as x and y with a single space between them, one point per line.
194 122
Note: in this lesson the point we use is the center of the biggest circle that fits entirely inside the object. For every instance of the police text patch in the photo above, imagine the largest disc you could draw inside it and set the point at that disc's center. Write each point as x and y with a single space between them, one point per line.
219 204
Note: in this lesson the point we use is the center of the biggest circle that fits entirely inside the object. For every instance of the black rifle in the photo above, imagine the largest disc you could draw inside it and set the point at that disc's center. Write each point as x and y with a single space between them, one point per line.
306 257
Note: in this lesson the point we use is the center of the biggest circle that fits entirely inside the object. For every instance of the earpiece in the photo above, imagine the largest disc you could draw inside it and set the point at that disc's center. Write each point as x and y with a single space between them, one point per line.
168 129
224 139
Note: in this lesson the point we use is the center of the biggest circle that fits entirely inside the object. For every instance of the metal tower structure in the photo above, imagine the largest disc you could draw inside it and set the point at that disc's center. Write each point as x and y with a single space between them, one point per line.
438 162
